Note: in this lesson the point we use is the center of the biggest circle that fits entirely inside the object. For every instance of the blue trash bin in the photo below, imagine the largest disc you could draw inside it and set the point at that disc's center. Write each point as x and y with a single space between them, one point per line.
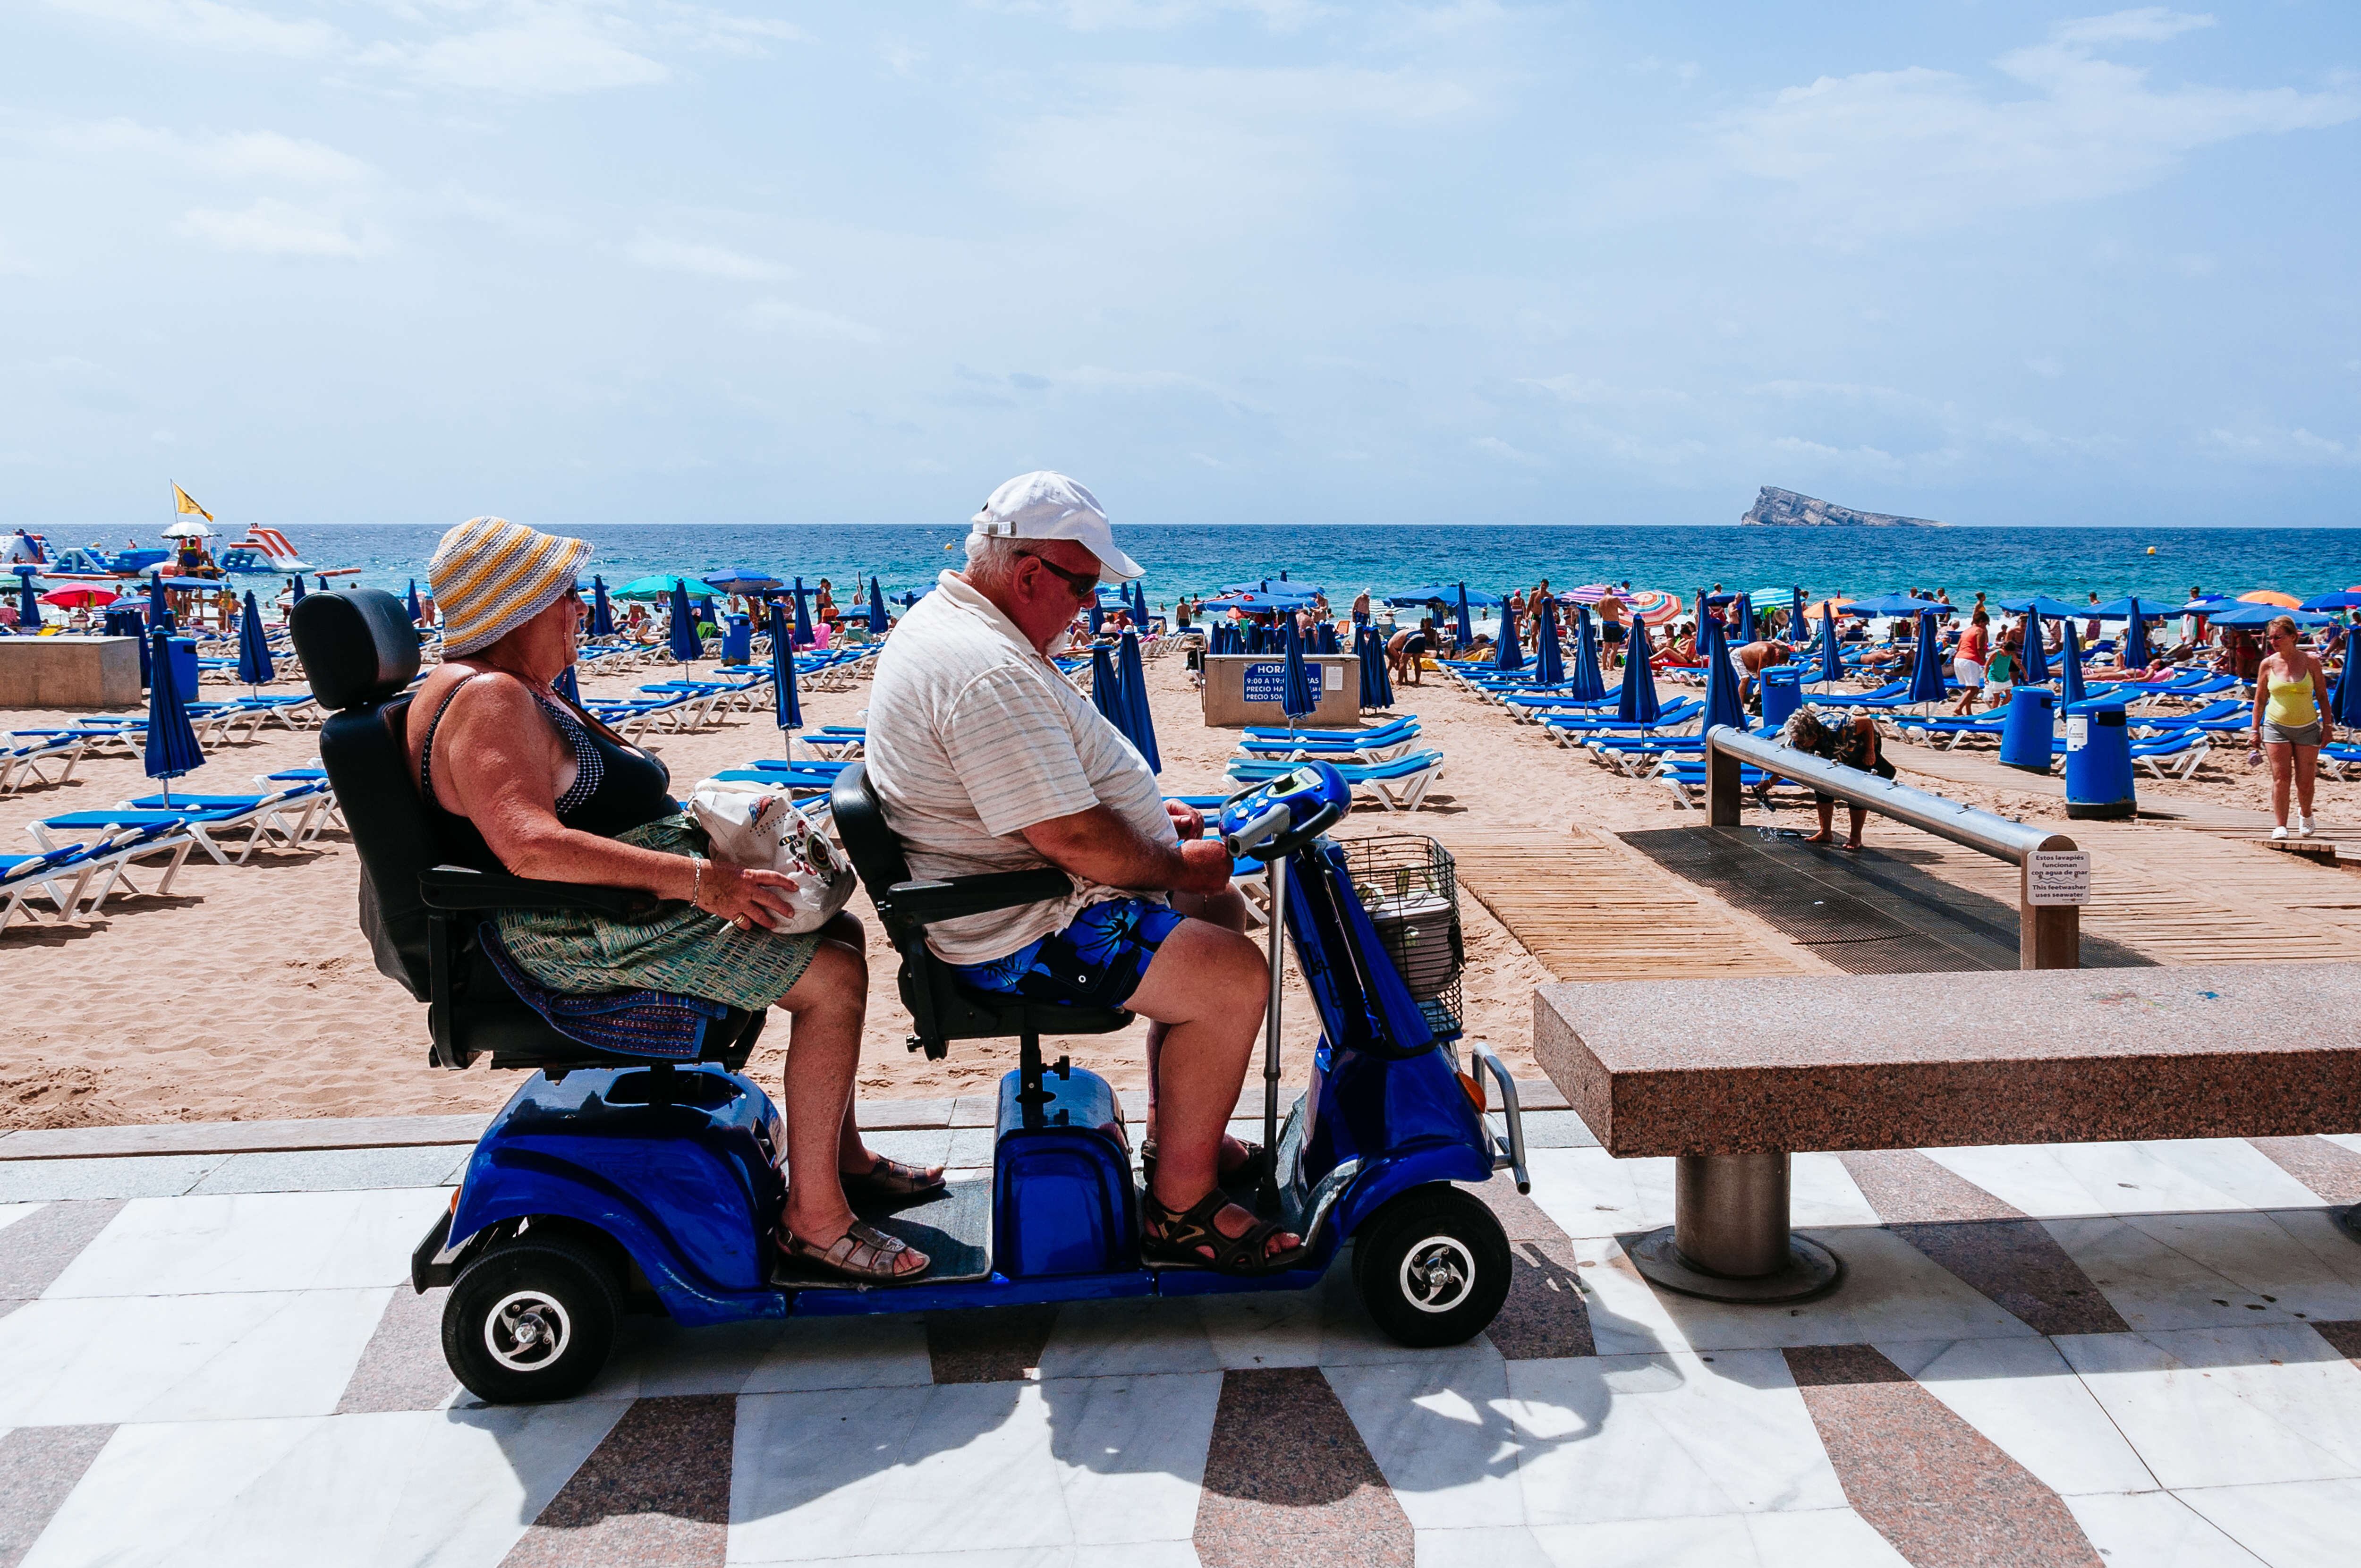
1783 693
738 641
2027 738
2098 761
185 666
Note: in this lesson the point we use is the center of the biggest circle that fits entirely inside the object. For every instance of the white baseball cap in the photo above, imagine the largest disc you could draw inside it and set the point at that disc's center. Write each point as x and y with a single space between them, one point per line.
1043 505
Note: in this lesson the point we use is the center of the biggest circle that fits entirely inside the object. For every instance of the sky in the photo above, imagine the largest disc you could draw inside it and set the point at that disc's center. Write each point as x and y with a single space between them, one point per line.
1258 262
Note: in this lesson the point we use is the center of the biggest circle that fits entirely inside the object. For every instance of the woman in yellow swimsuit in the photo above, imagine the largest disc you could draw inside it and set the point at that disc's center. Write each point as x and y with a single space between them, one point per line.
2289 690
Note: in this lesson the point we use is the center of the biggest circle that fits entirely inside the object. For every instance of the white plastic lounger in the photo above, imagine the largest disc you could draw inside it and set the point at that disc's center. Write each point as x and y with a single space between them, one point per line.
61 875
1399 785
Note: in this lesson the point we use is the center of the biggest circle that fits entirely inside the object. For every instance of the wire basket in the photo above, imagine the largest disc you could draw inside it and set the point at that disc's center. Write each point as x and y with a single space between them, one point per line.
1410 887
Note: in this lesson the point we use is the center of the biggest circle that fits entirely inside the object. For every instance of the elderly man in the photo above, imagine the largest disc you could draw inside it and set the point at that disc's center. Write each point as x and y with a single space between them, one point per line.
987 761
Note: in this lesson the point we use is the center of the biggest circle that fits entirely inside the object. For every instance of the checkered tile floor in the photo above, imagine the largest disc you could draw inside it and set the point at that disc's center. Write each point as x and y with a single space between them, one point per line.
2123 1353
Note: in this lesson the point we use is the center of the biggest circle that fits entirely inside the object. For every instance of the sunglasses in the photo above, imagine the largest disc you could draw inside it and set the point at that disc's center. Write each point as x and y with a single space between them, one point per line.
1084 584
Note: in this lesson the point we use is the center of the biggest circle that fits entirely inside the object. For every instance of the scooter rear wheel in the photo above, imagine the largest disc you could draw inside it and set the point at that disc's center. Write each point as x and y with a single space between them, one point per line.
1431 1265
529 1321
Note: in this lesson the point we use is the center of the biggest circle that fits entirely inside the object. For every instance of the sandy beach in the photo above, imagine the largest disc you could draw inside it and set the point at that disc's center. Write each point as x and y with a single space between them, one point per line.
249 992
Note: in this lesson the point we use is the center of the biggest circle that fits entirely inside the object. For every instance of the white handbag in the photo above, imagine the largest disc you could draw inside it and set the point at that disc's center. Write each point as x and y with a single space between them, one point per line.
767 832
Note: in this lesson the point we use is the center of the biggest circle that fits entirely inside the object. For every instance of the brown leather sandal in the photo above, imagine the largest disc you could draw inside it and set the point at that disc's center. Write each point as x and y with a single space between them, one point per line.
863 1253
891 1181
1188 1237
1243 1176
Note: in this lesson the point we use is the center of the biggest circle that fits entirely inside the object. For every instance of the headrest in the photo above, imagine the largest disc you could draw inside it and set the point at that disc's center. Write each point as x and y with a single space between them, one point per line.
358 646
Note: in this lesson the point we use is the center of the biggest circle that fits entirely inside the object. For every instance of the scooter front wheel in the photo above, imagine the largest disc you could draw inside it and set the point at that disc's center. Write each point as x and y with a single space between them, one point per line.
1431 1265
529 1321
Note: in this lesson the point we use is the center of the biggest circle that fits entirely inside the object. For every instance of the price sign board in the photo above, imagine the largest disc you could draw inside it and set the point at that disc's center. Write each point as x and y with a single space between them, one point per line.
1266 682
2058 876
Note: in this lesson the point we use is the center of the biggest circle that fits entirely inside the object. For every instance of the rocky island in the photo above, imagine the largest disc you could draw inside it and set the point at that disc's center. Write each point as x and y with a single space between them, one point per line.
1775 508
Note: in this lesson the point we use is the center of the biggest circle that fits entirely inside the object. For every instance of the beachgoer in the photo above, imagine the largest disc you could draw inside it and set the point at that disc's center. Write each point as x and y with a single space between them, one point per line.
1849 742
824 607
1968 663
1361 608
515 775
1611 626
2290 692
1183 612
987 761
2000 670
1405 650
1752 660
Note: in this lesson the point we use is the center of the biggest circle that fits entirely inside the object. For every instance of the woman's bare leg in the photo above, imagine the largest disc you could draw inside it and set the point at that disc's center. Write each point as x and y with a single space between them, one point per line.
2282 760
1828 810
2306 762
1852 838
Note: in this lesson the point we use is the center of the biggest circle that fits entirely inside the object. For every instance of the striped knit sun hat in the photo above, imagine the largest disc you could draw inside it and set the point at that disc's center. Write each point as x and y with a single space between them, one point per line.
491 575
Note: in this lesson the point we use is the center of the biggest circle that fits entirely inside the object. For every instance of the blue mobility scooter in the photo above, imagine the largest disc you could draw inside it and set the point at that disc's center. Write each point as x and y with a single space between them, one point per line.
609 1184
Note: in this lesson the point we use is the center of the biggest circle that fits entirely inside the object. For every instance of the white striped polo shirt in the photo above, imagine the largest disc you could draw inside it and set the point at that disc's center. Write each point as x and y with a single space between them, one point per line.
974 737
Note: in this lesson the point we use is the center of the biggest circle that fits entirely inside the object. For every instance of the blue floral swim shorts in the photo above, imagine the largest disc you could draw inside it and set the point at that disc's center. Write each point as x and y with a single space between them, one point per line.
1097 962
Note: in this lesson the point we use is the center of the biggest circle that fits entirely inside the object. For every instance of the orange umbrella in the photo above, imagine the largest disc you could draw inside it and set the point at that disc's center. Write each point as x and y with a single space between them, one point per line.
1814 611
2271 596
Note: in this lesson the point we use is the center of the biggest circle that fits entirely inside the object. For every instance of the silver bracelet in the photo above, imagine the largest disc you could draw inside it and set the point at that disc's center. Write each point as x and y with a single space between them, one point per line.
697 888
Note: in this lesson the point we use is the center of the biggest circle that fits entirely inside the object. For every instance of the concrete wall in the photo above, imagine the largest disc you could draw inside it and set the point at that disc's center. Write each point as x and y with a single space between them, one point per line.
1231 677
69 671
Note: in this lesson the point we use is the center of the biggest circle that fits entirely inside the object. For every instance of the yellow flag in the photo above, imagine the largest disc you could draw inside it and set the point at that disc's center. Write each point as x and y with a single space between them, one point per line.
182 503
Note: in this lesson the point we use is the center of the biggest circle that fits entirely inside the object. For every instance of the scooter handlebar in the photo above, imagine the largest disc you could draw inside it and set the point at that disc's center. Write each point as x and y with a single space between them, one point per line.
1259 830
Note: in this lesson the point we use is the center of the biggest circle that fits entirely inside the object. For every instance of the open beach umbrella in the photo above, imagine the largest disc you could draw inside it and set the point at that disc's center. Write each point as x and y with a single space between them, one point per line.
2264 614
28 604
1549 659
2041 604
804 638
2134 649
1832 660
410 604
159 609
2271 596
1138 724
1638 700
2343 599
1296 698
602 613
1448 593
1588 684
1103 695
1927 667
782 677
77 595
878 619
254 666
684 642
2036 656
1377 681
656 587
1507 654
171 747
2116 609
1720 679
2069 668
1652 607
1466 627
743 580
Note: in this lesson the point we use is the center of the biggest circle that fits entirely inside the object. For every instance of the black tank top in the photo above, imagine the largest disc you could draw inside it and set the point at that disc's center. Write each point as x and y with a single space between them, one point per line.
616 787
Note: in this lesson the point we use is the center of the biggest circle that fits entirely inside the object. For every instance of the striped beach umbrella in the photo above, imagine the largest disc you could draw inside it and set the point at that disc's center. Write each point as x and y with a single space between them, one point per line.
1638 704
171 748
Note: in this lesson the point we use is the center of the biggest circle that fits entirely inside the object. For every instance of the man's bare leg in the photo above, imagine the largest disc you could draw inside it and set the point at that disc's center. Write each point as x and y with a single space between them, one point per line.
1226 909
1207 986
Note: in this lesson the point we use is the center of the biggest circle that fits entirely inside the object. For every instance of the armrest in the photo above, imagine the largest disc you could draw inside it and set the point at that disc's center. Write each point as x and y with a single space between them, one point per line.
948 898
464 887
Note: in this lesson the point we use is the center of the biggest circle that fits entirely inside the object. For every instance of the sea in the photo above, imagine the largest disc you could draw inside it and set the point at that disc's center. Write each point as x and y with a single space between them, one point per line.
2064 562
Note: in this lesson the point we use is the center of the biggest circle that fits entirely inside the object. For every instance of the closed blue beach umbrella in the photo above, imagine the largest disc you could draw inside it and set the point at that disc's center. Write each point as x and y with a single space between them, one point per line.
1296 698
159 609
410 603
1377 681
1138 724
1103 695
602 614
1831 661
254 666
1549 659
1638 699
1927 667
878 619
295 589
2346 710
1741 622
171 749
804 638
568 686
2036 656
2069 684
1098 616
320 581
1466 627
782 677
2134 653
28 603
684 642
1720 681
1588 685
1796 617
1508 654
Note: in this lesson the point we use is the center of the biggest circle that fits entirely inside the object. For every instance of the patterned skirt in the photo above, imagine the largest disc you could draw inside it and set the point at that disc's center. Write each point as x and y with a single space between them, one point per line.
679 948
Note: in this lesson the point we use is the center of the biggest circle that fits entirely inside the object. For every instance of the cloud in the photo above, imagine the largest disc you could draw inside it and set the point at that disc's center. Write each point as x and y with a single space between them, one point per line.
1107 15
1501 449
1922 149
2293 448
803 320
701 260
268 226
241 154
537 50
207 24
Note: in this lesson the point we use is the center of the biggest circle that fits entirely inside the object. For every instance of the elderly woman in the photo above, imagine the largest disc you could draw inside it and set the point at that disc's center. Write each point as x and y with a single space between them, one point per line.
514 772
1851 741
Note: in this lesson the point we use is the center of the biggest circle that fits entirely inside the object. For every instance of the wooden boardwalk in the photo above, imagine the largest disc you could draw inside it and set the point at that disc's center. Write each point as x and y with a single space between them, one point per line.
1590 909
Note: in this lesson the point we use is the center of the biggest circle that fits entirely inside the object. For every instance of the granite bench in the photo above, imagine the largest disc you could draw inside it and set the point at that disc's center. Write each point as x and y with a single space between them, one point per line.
1730 1077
